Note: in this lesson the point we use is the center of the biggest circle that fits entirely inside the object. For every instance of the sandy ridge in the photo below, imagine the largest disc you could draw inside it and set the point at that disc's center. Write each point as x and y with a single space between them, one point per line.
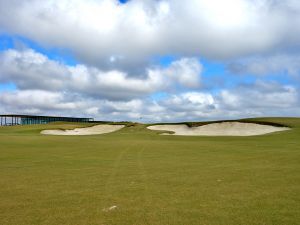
219 129
98 129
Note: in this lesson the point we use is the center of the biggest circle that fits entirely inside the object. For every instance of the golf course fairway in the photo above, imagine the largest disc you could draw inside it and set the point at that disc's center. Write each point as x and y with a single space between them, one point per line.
135 176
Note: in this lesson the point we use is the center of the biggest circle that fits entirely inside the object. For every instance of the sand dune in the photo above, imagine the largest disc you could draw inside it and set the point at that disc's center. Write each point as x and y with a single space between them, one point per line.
98 129
219 129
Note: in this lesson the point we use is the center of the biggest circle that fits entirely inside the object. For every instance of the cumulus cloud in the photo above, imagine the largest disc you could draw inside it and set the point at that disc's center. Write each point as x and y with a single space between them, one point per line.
185 71
117 46
258 99
252 100
261 97
288 64
109 34
28 69
38 101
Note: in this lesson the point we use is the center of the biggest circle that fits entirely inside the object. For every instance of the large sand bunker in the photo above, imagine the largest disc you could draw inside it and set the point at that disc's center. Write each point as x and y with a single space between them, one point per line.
98 129
219 129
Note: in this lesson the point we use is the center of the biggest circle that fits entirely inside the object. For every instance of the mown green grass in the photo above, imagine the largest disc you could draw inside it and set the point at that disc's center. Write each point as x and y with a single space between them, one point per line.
152 179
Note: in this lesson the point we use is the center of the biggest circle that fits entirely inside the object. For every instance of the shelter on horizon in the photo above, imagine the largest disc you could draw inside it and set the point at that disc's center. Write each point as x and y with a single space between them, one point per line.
14 119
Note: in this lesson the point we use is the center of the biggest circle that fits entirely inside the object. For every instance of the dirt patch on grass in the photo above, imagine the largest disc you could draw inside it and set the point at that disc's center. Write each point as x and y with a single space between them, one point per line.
219 129
98 129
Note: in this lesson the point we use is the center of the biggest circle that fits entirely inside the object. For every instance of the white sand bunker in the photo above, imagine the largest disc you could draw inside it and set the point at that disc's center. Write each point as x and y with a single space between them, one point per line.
98 129
219 129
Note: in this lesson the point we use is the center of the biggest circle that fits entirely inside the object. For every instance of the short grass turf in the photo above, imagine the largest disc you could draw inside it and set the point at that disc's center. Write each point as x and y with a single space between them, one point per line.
152 179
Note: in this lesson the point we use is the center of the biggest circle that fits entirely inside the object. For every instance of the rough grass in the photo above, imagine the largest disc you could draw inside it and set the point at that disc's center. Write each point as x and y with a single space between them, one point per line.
152 179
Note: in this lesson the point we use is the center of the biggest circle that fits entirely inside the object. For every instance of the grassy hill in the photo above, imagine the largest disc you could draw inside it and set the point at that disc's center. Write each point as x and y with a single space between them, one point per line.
151 179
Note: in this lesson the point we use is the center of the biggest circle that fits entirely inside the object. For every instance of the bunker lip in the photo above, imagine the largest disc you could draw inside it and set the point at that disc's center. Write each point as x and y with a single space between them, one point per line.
98 129
219 129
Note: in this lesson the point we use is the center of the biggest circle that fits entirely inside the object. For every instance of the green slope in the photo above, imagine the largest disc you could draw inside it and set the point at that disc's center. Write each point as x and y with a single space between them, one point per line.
152 179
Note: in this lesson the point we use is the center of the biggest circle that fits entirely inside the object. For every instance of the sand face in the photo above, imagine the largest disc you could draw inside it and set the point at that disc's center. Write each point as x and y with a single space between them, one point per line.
219 129
98 129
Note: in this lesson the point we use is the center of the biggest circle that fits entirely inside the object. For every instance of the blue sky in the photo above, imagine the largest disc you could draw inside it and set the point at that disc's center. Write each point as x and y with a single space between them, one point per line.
160 60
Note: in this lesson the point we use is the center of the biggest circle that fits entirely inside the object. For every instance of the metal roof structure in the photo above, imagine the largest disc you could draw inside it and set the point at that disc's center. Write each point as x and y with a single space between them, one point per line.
18 119
20 115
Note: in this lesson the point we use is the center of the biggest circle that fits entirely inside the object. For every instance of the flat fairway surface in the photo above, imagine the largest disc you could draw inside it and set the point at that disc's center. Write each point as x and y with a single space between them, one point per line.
135 176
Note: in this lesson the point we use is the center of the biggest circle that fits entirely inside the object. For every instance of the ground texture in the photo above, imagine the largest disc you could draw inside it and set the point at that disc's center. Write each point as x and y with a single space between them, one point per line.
135 176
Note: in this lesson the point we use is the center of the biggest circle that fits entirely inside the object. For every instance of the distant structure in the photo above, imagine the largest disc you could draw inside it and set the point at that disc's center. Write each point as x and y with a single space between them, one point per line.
12 120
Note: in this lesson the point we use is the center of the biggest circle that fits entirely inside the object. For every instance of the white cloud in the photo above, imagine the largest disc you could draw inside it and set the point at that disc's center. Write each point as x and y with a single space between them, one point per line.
31 70
185 71
116 44
266 65
259 99
99 31
190 101
36 101
261 96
